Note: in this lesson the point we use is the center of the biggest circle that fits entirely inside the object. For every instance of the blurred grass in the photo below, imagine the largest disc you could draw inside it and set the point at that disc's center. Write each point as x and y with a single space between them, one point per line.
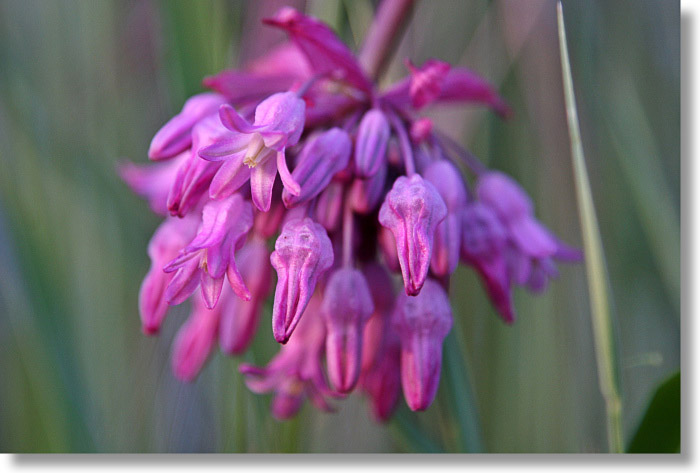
84 84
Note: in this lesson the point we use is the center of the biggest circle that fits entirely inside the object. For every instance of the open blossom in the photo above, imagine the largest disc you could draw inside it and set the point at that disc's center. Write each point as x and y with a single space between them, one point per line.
367 188
257 151
210 255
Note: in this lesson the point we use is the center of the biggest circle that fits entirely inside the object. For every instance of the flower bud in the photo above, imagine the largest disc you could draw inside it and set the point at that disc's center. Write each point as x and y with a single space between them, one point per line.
195 174
347 304
329 206
366 193
382 381
422 323
303 253
325 155
194 341
170 237
450 186
412 210
421 130
239 318
372 139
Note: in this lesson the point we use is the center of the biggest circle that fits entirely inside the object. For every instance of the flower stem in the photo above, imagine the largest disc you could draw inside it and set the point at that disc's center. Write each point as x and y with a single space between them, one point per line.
384 32
404 143
595 261
348 222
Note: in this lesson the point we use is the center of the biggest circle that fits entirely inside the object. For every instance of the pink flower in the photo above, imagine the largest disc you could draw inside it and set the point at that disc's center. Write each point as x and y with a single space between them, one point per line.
303 253
484 247
422 322
347 304
372 141
412 210
175 136
296 371
324 51
210 255
450 185
279 121
169 238
195 341
240 318
322 157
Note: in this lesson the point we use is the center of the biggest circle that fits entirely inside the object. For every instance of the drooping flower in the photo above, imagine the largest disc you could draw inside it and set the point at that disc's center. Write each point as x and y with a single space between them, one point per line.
169 238
347 305
483 246
412 210
372 141
322 157
195 340
532 247
449 184
240 318
303 252
422 322
210 255
175 136
295 372
257 151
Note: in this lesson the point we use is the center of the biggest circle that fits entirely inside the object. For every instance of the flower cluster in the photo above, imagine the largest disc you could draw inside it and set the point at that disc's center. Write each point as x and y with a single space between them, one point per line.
367 189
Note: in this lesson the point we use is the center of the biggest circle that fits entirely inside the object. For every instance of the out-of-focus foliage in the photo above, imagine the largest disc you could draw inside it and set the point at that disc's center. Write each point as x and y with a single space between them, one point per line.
85 84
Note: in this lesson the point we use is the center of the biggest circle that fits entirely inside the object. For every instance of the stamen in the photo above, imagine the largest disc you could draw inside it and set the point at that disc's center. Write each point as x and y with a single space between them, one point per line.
255 147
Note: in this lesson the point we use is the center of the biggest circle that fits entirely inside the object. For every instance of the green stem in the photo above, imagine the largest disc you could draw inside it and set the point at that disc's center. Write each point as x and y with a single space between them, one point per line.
595 262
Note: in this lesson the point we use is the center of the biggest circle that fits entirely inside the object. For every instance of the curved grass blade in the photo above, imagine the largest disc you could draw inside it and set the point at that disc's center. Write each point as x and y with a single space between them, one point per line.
595 260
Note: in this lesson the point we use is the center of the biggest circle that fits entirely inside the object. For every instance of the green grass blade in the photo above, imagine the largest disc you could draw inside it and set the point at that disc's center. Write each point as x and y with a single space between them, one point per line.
595 260
462 403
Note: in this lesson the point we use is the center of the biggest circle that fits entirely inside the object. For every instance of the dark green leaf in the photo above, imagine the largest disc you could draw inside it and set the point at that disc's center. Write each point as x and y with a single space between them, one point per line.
660 428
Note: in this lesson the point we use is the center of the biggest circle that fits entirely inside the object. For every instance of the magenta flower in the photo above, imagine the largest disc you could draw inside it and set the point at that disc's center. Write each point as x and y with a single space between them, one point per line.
326 54
171 236
194 175
175 136
347 304
303 252
279 121
450 185
372 140
365 194
321 158
195 341
412 210
210 255
371 181
422 322
532 247
296 371
153 181
484 247
240 318
329 206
